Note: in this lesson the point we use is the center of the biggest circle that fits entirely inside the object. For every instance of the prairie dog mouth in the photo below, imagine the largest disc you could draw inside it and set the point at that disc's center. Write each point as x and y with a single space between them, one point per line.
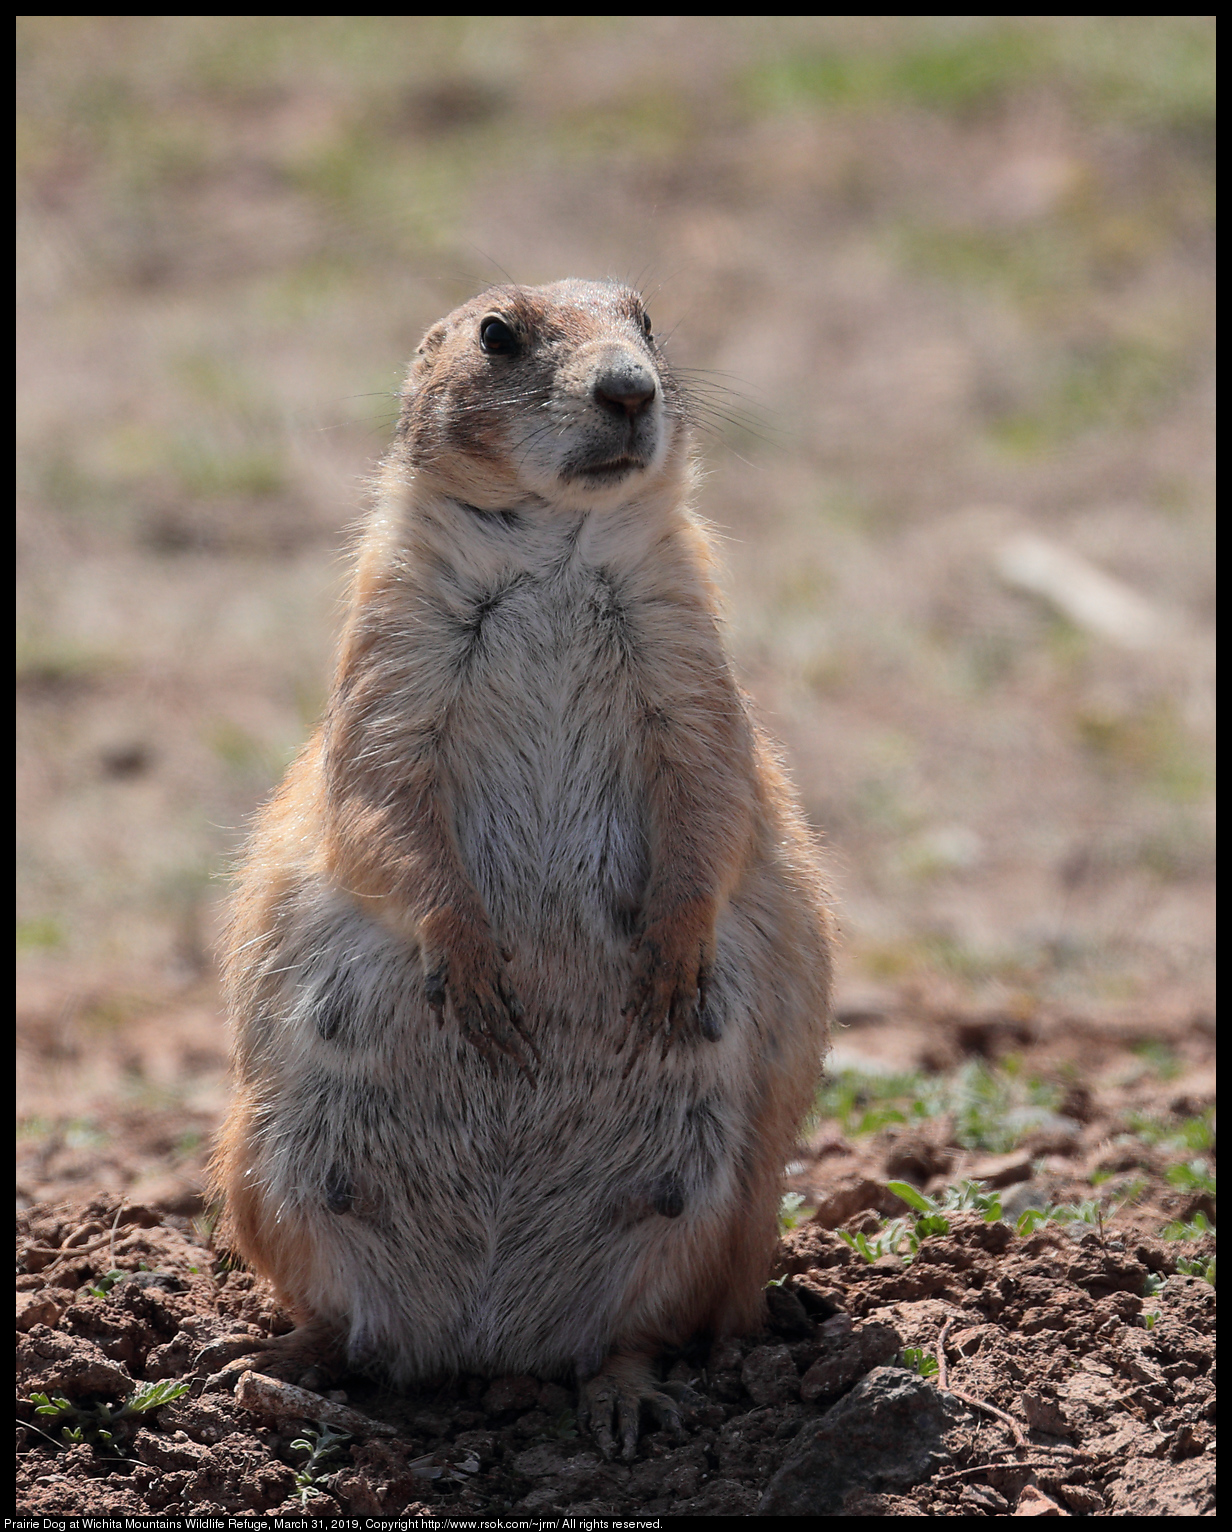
614 468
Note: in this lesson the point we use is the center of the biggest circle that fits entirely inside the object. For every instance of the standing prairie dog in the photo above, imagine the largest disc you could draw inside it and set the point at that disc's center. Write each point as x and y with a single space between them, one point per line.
529 966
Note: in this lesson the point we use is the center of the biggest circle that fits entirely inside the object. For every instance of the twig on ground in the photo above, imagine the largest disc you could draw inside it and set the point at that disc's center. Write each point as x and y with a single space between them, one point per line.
943 1382
968 1473
283 1401
67 1250
115 1224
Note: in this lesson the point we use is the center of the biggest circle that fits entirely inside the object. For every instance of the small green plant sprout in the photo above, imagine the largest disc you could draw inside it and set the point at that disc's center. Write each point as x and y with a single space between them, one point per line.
922 1363
96 1423
1197 1267
1154 1285
993 1110
1031 1218
972 1197
792 1212
1197 1177
1159 1058
863 1102
1149 1318
1197 1226
884 1242
932 1219
1189 1135
1128 1191
966 1197
1088 1212
319 1444
105 1283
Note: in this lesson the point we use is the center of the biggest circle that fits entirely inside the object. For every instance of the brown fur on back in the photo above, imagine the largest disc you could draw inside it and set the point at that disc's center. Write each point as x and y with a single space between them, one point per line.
529 963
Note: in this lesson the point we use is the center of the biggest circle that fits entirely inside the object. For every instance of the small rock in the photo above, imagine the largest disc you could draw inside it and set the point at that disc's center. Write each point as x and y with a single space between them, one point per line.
972 1229
171 1360
980 1500
165 1281
587 1476
1102 1272
726 1356
916 1157
53 1363
721 1497
37 1309
769 1375
553 1398
872 1345
1134 1365
1043 1412
1032 1501
1127 1439
512 1393
540 1461
861 1503
478 1444
788 1315
1000 1170
1008 1479
357 1494
683 1480
1151 1488
314 1503
1082 1499
272 1399
1048 1317
820 1304
723 1370
854 1194
885 1436
1025 1195
167 1452
968 1342
172 1194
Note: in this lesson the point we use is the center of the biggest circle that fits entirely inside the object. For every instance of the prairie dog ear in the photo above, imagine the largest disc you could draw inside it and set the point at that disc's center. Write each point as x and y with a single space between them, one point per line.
419 371
425 354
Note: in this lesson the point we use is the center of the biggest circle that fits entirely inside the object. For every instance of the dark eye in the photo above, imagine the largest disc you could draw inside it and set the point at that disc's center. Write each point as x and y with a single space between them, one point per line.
647 327
496 338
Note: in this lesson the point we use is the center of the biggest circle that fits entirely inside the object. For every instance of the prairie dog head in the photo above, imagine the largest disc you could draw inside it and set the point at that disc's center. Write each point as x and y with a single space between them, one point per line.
556 395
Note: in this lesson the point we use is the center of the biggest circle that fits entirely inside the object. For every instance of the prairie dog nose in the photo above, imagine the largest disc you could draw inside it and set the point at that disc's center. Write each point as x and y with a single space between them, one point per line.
624 387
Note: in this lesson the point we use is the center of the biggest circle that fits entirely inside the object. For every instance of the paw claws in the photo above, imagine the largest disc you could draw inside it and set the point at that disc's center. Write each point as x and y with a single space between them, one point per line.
487 1009
610 1406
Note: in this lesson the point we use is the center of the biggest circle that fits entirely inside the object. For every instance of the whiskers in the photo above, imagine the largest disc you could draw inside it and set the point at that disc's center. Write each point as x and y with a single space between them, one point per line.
726 414
378 421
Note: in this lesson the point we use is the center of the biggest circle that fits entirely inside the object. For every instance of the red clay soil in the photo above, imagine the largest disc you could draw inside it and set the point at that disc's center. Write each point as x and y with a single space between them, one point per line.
1078 1359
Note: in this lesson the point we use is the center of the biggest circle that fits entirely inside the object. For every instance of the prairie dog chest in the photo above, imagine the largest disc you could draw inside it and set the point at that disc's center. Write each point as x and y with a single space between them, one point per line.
545 644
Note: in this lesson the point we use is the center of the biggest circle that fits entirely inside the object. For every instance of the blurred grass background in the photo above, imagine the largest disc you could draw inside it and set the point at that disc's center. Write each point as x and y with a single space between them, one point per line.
943 281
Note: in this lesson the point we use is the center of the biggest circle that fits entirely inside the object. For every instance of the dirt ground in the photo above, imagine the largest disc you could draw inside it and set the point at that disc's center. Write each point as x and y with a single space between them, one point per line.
943 293
1080 1347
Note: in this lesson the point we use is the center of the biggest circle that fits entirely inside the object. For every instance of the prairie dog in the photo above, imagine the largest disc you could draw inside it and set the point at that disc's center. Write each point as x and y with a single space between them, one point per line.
529 964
